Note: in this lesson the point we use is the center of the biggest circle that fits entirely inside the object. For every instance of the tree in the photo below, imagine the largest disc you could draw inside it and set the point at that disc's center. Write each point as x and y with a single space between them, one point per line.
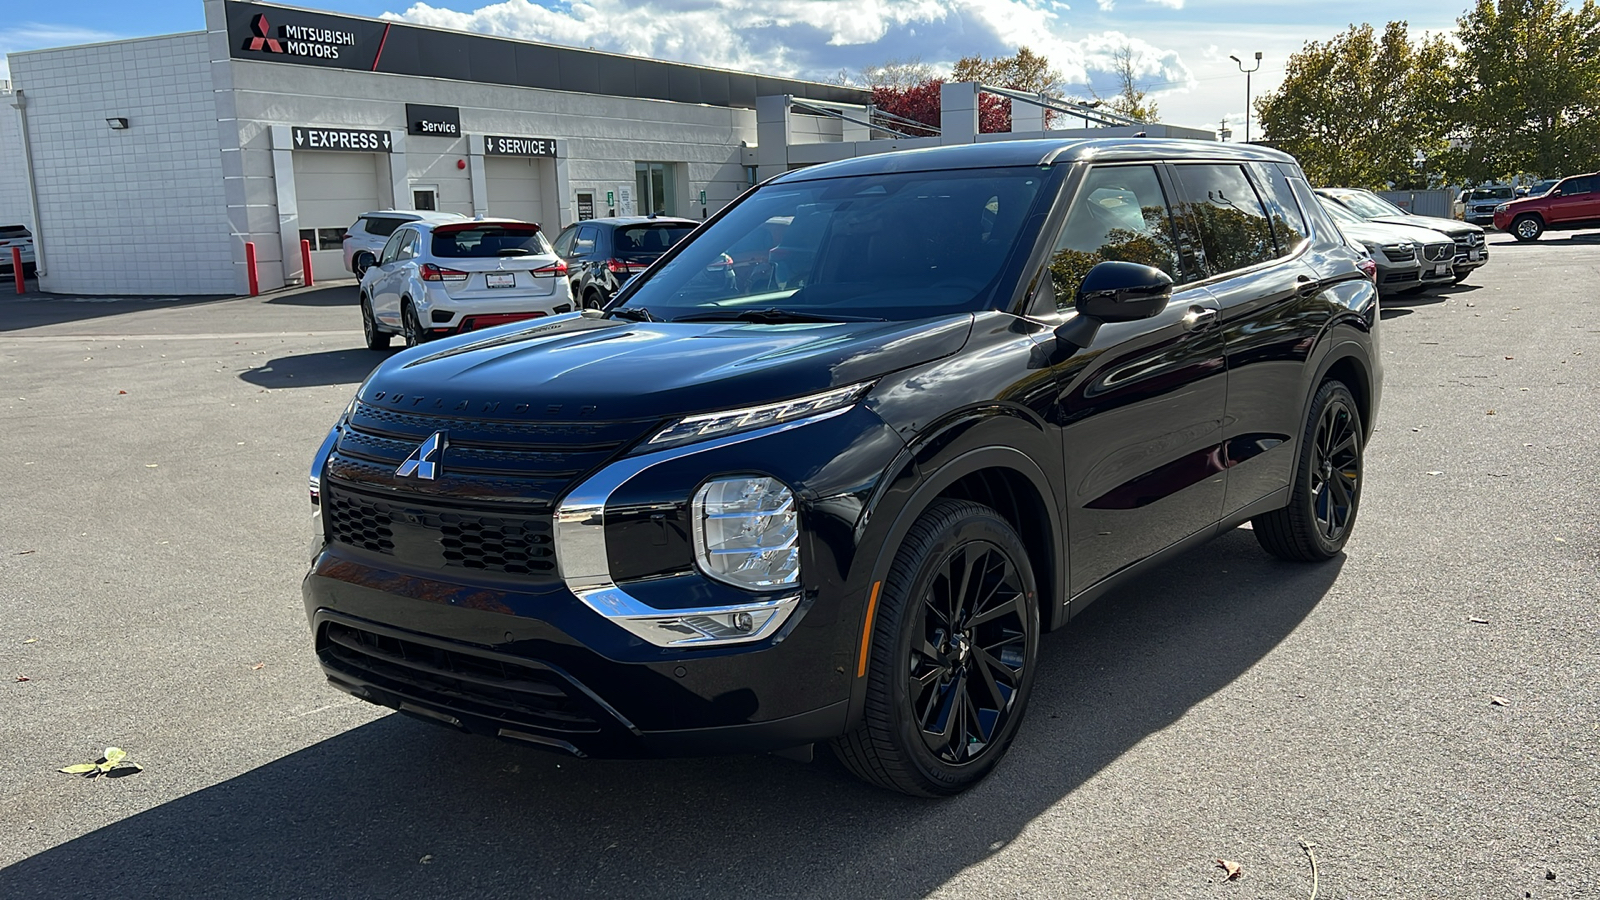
910 89
1357 109
898 73
1130 98
1023 71
1527 83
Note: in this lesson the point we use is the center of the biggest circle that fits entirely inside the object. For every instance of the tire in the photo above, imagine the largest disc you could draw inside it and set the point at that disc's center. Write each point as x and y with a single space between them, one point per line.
360 263
921 670
377 338
1315 524
593 300
413 333
1527 227
1462 276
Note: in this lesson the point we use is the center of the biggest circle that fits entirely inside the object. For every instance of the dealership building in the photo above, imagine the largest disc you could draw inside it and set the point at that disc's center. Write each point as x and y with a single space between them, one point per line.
146 166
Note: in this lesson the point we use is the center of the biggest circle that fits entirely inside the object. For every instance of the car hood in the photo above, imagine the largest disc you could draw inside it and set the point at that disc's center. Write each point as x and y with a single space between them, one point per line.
1385 233
1452 227
576 366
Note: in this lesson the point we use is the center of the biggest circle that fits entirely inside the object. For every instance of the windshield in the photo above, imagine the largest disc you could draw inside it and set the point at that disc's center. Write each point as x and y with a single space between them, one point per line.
481 241
1341 215
886 246
1489 194
1369 205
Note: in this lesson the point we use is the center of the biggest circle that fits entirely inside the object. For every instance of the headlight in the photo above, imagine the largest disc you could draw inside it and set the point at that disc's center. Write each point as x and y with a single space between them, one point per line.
708 425
1502 207
1373 247
746 533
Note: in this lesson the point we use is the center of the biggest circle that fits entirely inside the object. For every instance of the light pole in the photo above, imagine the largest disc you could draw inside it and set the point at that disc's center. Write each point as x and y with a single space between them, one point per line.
1224 132
1247 91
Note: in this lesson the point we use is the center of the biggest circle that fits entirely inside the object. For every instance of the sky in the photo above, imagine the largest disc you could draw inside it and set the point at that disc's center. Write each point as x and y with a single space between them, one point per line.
1181 47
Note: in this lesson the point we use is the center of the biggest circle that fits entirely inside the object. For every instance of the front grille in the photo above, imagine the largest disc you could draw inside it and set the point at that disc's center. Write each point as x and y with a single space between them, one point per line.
455 678
1400 277
1400 254
1440 252
432 538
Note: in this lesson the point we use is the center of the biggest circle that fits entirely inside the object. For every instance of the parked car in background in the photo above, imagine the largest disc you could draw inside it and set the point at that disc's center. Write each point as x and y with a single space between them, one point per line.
603 254
1538 188
1572 204
842 501
365 238
20 237
1409 259
1471 250
438 278
1477 204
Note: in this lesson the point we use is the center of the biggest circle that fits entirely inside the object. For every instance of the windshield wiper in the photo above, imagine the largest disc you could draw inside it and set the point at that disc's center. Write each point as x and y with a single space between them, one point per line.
771 315
634 314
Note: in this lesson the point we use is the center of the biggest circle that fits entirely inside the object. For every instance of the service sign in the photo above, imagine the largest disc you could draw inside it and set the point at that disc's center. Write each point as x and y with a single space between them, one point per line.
505 145
440 121
353 140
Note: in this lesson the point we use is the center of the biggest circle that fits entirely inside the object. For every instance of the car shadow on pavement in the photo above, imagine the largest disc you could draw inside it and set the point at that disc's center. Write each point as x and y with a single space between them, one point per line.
399 808
348 366
1390 312
36 310
337 294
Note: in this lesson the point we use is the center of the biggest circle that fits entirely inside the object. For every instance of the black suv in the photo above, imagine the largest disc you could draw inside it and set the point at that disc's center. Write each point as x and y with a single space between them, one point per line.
602 254
839 499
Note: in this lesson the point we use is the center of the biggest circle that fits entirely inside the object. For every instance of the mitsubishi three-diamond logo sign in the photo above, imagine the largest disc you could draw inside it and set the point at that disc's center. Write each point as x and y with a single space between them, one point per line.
263 40
424 462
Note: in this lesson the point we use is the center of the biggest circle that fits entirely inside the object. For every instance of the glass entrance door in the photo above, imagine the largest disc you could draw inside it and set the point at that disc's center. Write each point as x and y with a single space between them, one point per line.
657 189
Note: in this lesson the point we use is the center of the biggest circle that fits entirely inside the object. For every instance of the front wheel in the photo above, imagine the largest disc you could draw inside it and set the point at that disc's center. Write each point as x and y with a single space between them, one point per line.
1327 485
1462 276
413 327
377 338
1527 227
953 651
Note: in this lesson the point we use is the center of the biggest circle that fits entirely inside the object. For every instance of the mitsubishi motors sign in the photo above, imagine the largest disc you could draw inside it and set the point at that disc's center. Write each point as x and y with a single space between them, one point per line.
297 40
280 34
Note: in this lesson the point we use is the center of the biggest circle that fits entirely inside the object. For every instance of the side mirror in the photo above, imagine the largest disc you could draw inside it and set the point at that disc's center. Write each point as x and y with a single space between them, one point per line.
1116 291
1520 192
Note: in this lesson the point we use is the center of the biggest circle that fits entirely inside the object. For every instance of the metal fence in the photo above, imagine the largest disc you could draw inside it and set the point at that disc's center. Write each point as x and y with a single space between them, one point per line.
1422 203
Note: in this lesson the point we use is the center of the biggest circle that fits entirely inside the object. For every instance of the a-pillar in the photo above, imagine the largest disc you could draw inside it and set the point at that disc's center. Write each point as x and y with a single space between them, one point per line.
772 136
958 113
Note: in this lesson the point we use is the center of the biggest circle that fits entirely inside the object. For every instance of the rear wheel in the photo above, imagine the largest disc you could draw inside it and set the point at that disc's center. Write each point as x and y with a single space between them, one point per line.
953 649
1327 485
593 299
413 327
1527 227
377 338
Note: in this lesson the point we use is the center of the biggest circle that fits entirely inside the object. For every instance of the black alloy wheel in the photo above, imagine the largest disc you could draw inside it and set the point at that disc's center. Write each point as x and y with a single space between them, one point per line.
414 334
377 338
953 651
593 300
1462 276
1527 227
1327 490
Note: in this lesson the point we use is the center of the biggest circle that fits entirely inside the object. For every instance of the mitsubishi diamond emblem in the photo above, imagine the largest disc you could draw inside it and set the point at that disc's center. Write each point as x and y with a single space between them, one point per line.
423 461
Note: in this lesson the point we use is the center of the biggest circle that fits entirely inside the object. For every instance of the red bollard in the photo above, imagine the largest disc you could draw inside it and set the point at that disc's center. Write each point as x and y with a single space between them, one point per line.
305 260
16 269
250 267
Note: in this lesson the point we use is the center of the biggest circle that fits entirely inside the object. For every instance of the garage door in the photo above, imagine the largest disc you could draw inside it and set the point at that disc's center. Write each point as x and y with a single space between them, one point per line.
332 191
516 189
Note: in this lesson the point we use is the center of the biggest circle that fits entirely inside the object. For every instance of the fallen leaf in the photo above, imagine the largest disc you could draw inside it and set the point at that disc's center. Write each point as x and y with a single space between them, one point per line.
1435 473
1233 869
1477 621
22 678
426 858
121 392
1561 540
79 769
158 465
1511 357
1498 700
31 641
1489 413
26 552
258 666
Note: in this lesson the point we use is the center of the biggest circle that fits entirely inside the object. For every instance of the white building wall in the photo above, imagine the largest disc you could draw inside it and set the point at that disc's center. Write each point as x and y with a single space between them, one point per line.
15 207
142 209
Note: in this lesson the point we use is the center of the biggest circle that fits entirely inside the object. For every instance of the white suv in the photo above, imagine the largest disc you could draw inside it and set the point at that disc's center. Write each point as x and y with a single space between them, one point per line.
364 240
16 236
433 279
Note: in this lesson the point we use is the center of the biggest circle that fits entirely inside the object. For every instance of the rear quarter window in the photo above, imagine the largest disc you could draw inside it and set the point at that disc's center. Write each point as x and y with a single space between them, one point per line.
380 226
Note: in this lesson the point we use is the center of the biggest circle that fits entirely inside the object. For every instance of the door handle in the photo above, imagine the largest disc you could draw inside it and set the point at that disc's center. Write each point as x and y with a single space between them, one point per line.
1306 287
1199 318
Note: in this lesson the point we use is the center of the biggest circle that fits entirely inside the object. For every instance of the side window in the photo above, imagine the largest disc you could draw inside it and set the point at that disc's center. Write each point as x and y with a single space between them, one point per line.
1288 220
1316 212
584 245
408 244
563 244
381 226
1583 184
391 249
1232 224
1119 213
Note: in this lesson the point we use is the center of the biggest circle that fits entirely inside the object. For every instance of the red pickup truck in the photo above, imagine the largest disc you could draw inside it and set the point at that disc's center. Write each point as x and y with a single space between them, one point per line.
1572 204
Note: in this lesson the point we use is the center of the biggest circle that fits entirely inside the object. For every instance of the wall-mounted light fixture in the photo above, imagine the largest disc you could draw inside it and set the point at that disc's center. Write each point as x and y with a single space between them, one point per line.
117 123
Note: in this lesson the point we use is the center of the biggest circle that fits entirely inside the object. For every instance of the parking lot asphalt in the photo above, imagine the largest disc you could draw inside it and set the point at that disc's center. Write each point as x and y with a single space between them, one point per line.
1424 711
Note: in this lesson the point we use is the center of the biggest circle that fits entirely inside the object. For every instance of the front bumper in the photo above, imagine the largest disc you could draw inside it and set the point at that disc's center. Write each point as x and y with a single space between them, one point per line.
543 670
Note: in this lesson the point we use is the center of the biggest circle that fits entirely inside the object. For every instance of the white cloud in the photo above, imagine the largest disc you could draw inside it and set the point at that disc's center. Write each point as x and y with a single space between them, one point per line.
810 38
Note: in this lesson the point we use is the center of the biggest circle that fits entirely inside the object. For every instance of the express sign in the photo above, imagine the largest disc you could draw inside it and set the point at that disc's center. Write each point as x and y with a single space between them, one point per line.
354 140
